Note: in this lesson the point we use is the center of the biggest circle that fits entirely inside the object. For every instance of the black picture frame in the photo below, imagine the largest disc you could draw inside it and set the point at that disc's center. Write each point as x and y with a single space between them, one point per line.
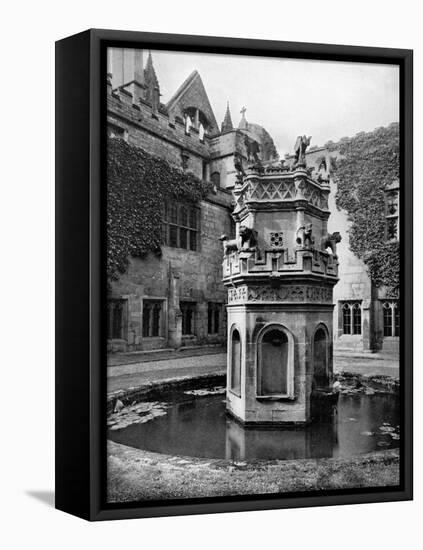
80 279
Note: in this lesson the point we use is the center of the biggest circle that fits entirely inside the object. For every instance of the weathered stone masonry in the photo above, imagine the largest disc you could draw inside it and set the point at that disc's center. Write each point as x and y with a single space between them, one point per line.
182 291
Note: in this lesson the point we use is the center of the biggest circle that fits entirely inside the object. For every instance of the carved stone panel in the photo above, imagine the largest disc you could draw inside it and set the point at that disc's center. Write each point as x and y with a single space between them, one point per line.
276 239
238 294
286 293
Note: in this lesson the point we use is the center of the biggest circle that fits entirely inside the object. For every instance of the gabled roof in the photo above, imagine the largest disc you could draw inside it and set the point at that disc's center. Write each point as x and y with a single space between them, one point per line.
193 94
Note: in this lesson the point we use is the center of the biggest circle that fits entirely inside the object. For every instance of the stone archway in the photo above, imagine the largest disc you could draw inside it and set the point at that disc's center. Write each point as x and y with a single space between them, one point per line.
275 362
235 364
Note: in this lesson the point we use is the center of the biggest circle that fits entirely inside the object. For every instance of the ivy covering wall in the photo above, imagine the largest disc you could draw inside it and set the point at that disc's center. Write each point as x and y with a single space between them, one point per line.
138 185
366 163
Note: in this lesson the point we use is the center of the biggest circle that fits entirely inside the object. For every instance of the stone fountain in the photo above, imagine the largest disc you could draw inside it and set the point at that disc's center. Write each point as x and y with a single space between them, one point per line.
280 271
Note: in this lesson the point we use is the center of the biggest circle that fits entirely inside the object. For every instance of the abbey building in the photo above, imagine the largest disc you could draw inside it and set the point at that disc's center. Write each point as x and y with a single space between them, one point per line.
178 299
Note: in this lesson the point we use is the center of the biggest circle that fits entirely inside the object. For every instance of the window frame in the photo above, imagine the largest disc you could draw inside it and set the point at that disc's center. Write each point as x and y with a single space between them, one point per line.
111 307
351 310
392 212
394 314
162 320
114 131
185 305
215 179
214 308
190 229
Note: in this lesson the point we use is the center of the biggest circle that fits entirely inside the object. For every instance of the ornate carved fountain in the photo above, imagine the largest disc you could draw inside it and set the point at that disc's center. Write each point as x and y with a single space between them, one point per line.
280 271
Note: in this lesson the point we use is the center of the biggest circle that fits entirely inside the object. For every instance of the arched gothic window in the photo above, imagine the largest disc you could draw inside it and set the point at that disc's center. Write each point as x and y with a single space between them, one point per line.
215 179
152 318
391 318
346 319
356 309
188 123
351 317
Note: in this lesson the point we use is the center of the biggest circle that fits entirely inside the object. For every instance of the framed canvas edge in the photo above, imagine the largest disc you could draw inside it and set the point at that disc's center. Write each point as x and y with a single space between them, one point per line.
96 467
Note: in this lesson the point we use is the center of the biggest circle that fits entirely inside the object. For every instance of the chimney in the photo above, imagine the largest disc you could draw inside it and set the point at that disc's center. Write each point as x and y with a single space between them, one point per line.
137 78
138 67
109 70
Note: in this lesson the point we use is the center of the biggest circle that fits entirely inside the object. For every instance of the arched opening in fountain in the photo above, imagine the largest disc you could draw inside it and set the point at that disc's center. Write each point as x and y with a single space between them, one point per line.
320 358
235 372
274 362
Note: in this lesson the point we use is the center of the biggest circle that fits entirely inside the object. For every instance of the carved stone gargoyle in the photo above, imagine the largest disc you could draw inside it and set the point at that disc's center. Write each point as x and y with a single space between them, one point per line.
330 240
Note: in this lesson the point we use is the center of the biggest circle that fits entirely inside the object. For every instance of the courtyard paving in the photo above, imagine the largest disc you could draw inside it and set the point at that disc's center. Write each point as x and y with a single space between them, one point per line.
127 370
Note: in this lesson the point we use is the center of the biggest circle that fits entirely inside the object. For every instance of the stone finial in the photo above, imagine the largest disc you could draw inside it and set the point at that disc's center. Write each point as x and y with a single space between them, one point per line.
227 121
152 83
243 125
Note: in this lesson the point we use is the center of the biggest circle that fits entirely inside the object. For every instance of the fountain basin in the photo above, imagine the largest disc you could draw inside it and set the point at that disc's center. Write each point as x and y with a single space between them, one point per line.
196 425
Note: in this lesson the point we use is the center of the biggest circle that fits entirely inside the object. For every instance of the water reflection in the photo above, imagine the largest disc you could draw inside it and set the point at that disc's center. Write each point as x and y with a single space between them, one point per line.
200 427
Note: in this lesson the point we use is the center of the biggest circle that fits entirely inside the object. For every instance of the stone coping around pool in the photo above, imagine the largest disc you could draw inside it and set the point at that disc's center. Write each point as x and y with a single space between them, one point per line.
148 390
383 383
138 475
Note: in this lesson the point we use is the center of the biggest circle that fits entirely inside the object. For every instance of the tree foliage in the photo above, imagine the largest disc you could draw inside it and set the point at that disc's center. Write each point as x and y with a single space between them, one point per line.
366 163
138 186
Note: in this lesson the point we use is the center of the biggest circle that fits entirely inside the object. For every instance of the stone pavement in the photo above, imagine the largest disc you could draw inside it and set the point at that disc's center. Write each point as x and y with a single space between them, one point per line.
127 370
129 358
124 376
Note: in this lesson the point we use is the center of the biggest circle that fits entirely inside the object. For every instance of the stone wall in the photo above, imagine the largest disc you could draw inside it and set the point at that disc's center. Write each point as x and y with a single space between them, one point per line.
354 281
179 275
158 135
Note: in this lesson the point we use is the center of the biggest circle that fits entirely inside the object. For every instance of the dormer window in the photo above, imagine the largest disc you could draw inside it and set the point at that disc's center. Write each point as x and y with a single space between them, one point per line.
392 211
194 118
115 131
188 123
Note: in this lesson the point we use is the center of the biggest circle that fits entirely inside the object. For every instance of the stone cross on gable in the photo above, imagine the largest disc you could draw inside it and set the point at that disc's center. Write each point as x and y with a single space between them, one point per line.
242 111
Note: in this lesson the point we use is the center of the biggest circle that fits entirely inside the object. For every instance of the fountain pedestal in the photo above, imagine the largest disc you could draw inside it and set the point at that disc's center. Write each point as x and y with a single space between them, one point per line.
280 271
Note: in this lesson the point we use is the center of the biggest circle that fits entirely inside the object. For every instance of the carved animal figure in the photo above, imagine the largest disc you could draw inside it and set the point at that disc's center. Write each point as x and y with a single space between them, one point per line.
300 149
322 165
330 241
248 238
230 245
253 150
238 164
308 239
304 236
247 241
